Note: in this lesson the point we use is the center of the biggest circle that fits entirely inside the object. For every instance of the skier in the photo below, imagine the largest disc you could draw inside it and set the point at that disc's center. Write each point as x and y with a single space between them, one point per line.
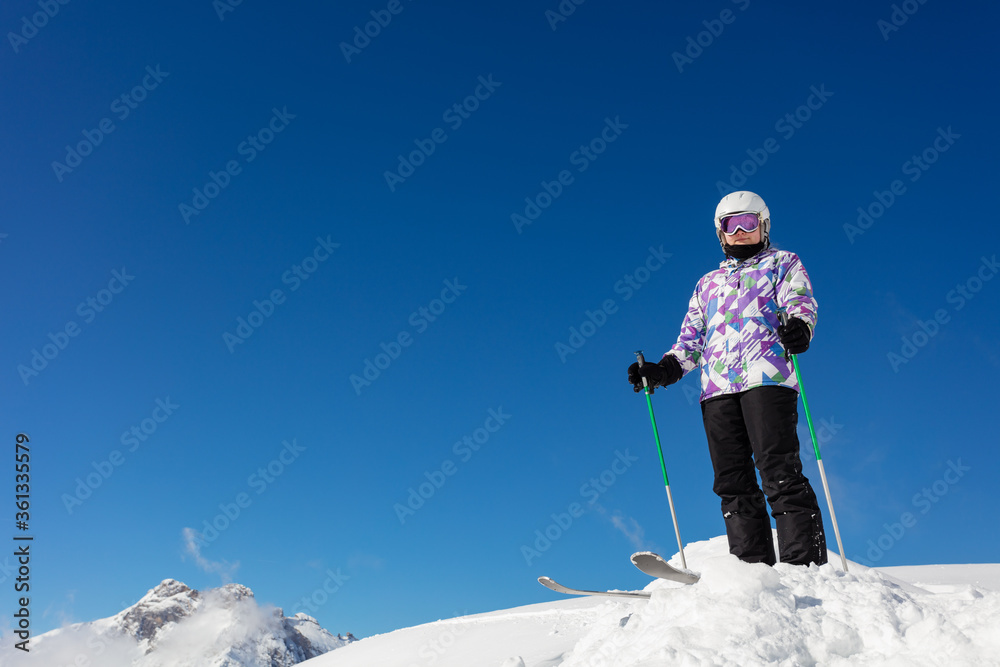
749 392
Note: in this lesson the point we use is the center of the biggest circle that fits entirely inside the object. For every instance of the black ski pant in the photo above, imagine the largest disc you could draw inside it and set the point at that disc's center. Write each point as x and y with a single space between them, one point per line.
757 427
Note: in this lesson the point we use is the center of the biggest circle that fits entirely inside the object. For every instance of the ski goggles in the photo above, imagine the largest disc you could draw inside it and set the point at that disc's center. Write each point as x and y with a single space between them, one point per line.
748 222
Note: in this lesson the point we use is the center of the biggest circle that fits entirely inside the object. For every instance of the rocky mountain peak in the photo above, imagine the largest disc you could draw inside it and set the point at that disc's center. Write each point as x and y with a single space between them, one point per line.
234 592
173 624
169 602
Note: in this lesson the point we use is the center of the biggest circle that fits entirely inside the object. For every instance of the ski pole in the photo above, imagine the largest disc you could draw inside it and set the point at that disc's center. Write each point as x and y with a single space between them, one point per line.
783 318
663 465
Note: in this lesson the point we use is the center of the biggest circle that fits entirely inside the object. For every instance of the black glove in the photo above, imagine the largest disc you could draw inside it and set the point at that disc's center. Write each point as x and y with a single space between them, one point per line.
794 336
665 373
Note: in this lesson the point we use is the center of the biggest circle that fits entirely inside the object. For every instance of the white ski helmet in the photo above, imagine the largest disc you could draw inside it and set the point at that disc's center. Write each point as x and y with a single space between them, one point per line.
744 201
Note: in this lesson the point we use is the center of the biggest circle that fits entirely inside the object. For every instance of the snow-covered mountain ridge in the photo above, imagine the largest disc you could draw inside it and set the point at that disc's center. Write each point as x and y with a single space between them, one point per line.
176 626
737 614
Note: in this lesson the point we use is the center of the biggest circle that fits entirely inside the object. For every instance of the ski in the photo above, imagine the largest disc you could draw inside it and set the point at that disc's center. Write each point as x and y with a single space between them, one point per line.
559 588
654 565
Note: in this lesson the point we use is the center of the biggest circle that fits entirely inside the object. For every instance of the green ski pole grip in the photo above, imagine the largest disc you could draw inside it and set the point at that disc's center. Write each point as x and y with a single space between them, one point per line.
652 418
783 318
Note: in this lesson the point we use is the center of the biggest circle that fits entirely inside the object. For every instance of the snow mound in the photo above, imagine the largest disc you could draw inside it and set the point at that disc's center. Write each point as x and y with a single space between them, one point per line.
737 614
747 614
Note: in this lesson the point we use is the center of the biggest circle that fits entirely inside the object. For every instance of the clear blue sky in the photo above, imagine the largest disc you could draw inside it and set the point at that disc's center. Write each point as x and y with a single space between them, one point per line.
287 142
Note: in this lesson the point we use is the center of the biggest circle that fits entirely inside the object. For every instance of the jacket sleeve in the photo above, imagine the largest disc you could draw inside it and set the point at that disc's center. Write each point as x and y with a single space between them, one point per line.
795 290
690 344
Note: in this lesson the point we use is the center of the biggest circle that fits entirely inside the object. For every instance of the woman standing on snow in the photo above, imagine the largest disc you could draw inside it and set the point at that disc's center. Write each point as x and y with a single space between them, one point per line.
749 392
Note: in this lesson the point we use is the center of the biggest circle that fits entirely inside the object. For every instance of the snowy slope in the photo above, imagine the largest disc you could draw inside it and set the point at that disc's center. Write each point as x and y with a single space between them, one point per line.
176 626
541 634
738 614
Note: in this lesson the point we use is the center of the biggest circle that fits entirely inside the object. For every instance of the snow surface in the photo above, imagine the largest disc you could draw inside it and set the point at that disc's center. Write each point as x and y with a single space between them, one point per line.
738 614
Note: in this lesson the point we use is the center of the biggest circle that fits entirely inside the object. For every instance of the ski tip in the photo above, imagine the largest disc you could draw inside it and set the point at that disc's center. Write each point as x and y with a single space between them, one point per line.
559 588
646 554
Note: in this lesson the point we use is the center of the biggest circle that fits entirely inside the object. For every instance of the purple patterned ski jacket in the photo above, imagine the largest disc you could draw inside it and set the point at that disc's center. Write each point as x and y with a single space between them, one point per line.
730 329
